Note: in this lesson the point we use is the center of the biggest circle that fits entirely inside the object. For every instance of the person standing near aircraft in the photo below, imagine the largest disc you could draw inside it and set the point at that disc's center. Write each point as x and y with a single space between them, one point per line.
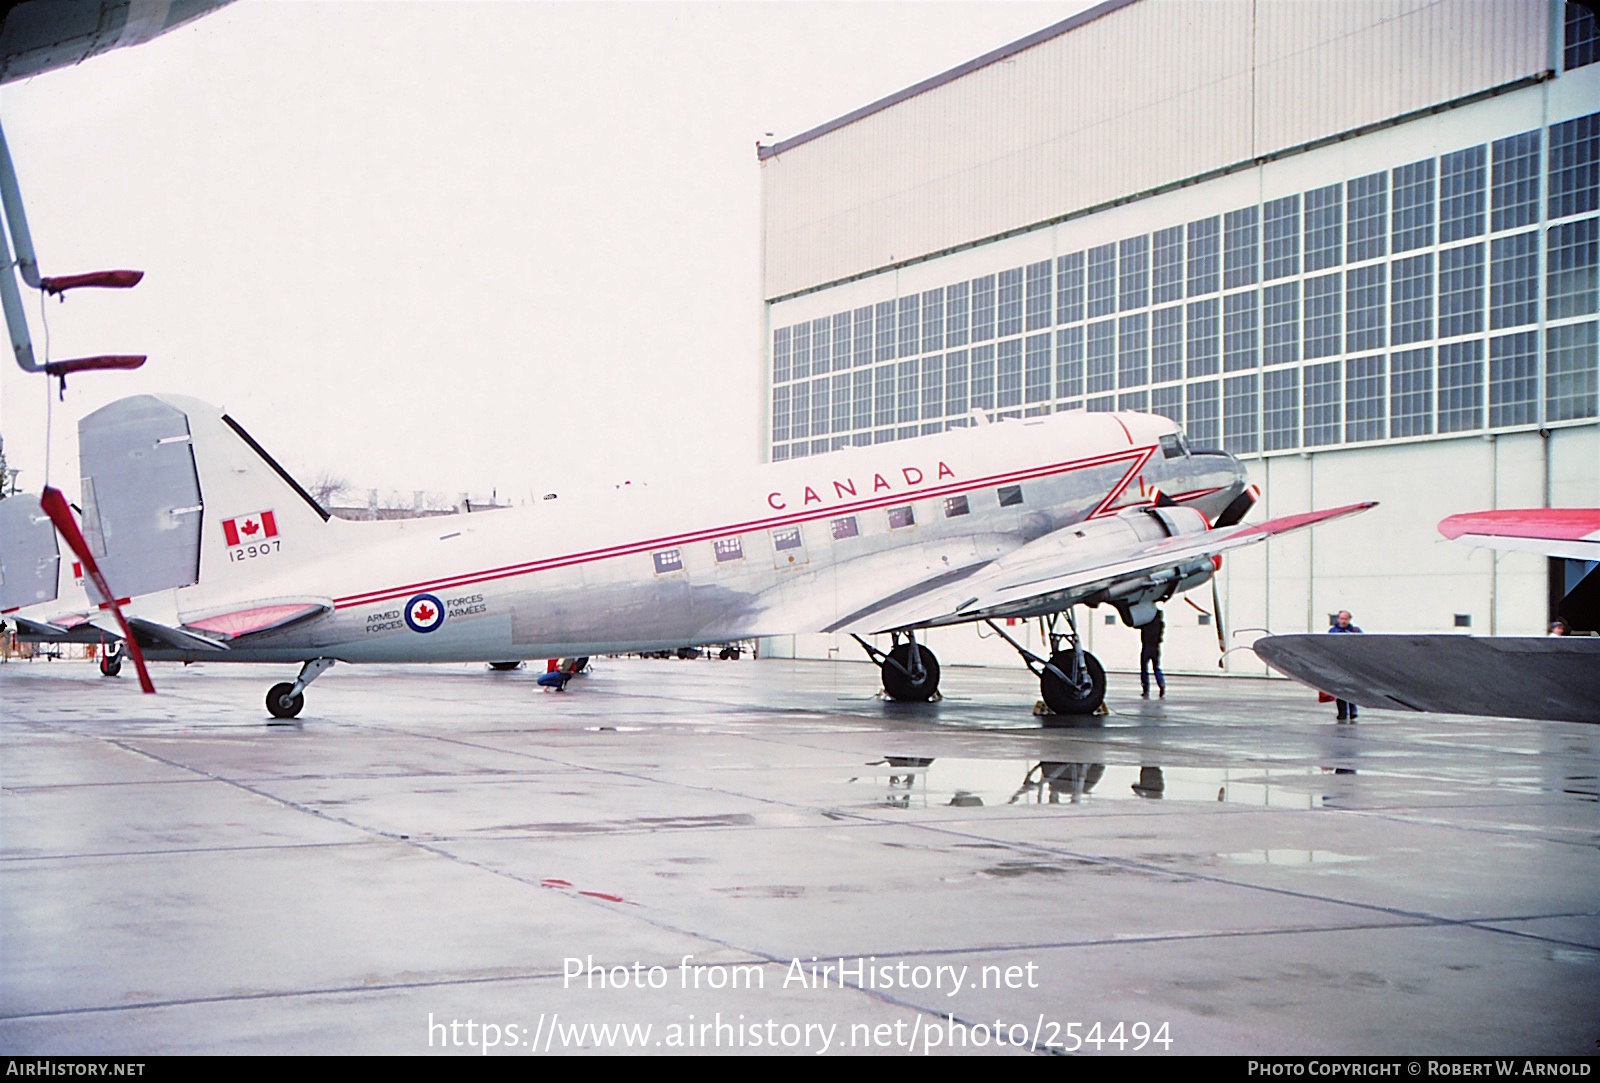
1342 624
1150 656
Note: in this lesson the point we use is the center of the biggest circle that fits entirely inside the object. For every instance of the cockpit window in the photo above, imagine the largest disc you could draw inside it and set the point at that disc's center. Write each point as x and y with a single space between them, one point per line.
1170 448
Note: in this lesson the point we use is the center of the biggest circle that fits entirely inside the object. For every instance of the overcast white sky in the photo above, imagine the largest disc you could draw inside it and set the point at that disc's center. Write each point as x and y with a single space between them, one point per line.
445 246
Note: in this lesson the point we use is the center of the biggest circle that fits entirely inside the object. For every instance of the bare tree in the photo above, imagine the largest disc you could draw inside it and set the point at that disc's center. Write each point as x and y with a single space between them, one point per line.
327 486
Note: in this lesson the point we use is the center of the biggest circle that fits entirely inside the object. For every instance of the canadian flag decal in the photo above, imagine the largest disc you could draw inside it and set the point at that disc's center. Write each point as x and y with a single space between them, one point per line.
249 528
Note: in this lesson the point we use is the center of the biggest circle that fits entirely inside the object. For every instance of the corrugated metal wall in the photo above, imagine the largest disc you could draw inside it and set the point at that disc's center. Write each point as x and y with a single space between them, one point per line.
1143 96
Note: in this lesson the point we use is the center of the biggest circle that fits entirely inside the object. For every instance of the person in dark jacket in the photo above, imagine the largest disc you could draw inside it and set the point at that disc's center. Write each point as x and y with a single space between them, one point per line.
1342 624
1150 655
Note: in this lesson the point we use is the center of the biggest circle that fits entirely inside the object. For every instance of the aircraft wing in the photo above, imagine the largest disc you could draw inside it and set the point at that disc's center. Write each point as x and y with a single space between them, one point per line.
1555 532
1066 567
1555 678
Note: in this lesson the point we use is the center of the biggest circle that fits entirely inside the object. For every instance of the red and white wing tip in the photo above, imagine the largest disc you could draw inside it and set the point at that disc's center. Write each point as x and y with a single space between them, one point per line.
1556 532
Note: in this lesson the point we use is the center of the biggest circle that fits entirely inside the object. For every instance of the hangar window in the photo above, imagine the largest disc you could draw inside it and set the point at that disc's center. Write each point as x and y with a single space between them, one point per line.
1133 258
780 355
1239 318
844 527
1102 360
1411 393
1168 402
821 346
1166 266
932 387
1204 256
1413 206
983 308
1036 369
1103 405
1573 252
1133 358
1463 620
1069 288
1008 303
1240 247
1461 188
668 560
1166 344
1008 374
1280 241
1582 45
1010 495
1513 280
786 538
800 410
883 395
1461 386
901 517
1204 337
842 341
1514 182
1324 227
727 549
1135 401
861 399
983 378
954 506
1570 371
819 407
1102 280
933 320
1280 405
1461 291
1239 414
861 329
1321 402
1200 413
1412 315
1364 398
955 383
1364 305
1514 379
780 453
910 394
955 314
910 336
1323 328
800 352
841 403
883 340
1069 362
1368 198
1280 324
1575 166
780 413
1038 300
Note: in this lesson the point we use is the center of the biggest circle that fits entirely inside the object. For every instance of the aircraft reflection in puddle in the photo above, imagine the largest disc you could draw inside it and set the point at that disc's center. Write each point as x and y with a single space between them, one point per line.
928 782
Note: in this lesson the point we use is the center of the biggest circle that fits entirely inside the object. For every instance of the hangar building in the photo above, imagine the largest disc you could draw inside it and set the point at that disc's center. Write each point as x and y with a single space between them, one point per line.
1355 243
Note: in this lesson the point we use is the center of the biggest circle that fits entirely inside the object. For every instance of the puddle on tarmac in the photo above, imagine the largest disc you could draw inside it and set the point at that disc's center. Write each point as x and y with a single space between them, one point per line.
919 782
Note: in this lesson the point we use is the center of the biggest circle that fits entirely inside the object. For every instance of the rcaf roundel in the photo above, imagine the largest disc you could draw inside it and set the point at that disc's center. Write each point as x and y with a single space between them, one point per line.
424 613
243 529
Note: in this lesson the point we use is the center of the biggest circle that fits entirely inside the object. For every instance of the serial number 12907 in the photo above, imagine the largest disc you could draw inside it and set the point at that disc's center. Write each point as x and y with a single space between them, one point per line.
260 549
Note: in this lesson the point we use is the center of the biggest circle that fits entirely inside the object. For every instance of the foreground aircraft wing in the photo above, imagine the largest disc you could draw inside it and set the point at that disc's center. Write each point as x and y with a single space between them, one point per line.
1555 532
1555 678
1065 568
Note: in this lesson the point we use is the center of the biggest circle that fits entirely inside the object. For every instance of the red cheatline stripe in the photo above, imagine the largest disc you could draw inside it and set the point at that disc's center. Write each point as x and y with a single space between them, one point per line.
1139 456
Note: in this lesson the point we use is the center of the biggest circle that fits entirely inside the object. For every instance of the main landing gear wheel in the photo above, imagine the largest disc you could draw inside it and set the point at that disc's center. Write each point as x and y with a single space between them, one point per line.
916 686
504 667
283 705
1080 696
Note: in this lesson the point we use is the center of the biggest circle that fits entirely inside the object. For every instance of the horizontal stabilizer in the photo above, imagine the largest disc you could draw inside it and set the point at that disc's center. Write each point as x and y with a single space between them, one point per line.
258 617
161 636
1556 532
1555 678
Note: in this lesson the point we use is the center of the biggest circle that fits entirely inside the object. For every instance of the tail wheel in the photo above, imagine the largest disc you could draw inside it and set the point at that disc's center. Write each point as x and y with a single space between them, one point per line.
901 686
1067 697
280 704
504 667
110 665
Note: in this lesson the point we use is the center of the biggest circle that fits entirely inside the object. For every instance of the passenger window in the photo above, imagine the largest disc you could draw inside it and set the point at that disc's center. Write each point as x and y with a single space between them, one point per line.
1010 495
844 528
954 506
901 517
668 560
788 538
726 549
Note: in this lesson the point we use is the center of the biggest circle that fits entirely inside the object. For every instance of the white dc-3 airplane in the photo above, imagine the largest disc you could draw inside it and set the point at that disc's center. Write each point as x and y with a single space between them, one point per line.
216 554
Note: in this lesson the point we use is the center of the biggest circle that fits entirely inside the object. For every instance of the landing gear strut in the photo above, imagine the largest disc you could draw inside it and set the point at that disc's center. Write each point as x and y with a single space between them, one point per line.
111 661
1072 682
910 670
285 700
